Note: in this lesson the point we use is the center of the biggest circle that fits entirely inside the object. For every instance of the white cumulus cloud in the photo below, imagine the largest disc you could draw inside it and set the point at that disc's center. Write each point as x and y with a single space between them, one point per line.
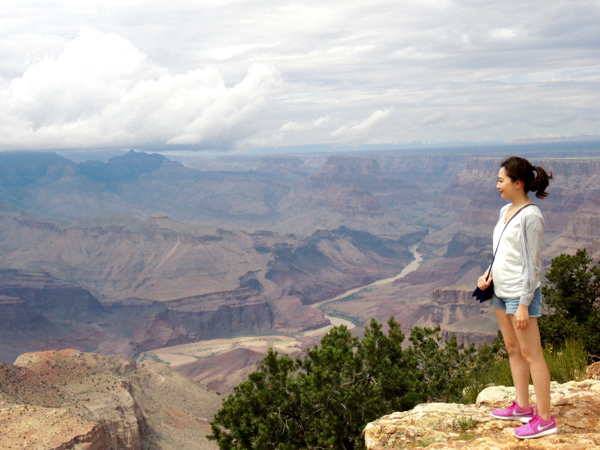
369 131
260 73
102 91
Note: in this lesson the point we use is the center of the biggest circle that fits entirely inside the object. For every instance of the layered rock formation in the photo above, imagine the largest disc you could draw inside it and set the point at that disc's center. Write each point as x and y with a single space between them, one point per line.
117 258
263 238
571 210
330 262
439 426
160 282
39 312
59 300
70 399
42 313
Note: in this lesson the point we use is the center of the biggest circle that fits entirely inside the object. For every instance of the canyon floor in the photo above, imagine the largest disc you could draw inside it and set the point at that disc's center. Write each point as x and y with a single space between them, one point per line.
193 359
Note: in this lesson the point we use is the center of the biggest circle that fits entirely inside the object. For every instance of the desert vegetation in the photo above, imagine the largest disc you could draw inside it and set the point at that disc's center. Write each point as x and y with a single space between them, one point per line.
326 399
573 295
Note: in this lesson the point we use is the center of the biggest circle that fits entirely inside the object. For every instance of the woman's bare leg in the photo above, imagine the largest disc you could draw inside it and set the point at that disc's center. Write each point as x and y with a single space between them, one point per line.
518 364
531 350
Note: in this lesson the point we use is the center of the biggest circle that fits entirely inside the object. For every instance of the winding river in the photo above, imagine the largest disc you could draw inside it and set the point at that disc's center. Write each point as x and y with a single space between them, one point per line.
186 353
336 321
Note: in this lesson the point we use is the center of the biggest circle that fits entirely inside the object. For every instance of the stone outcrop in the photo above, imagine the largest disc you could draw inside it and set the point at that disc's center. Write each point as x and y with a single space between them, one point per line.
593 372
576 405
70 399
47 428
102 410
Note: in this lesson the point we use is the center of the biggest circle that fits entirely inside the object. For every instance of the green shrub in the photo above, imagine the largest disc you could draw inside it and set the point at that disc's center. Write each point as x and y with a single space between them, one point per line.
324 400
445 364
568 363
496 374
573 299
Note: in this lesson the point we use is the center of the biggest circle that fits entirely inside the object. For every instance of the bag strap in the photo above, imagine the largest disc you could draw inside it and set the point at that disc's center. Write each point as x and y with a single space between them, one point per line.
499 239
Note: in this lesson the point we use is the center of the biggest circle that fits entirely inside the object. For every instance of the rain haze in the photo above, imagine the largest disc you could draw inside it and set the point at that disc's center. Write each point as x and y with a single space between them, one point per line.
244 75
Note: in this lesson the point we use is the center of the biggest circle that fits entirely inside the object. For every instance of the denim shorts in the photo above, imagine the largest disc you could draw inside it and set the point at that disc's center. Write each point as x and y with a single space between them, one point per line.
511 304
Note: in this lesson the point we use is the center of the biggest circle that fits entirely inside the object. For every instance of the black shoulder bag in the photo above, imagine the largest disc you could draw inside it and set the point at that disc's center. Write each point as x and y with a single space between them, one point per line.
485 295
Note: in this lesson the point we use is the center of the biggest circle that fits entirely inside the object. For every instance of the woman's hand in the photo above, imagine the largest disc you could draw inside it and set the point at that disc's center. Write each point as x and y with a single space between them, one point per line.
482 283
522 317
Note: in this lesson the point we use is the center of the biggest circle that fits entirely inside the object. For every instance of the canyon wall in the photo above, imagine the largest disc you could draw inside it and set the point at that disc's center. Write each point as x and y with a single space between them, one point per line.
70 399
38 311
143 251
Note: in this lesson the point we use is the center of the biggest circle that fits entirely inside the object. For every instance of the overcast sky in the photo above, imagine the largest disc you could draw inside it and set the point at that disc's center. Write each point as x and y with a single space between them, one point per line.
240 75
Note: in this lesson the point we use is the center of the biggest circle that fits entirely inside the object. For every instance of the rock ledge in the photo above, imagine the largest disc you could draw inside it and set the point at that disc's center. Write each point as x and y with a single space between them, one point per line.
441 425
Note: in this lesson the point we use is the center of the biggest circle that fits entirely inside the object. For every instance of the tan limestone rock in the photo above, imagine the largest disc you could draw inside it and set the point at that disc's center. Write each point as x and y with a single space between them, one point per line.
438 426
29 426
68 399
593 372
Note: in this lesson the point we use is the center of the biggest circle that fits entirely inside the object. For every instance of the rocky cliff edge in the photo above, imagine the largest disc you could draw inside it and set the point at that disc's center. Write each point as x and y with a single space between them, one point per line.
576 405
73 400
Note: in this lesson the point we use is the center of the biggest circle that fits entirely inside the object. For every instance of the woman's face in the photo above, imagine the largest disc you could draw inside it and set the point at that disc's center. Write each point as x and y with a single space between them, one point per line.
508 188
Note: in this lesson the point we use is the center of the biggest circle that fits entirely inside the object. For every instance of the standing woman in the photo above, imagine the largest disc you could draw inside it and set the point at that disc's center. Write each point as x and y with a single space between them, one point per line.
517 297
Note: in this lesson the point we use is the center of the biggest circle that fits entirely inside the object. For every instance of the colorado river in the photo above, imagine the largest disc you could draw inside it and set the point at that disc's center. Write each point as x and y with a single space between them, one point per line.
187 353
336 321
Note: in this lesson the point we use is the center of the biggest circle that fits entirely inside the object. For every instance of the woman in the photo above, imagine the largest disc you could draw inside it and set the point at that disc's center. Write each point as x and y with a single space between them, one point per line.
517 298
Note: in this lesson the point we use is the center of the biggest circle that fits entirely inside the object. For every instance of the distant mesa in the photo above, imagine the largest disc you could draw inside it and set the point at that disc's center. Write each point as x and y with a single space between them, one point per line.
159 215
348 165
122 168
20 169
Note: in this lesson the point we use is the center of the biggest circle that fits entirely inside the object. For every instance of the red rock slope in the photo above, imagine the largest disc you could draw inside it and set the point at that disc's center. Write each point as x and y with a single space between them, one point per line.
71 399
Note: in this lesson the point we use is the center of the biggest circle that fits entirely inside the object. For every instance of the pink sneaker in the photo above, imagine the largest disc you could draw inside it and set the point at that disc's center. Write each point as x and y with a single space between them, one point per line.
536 427
514 412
